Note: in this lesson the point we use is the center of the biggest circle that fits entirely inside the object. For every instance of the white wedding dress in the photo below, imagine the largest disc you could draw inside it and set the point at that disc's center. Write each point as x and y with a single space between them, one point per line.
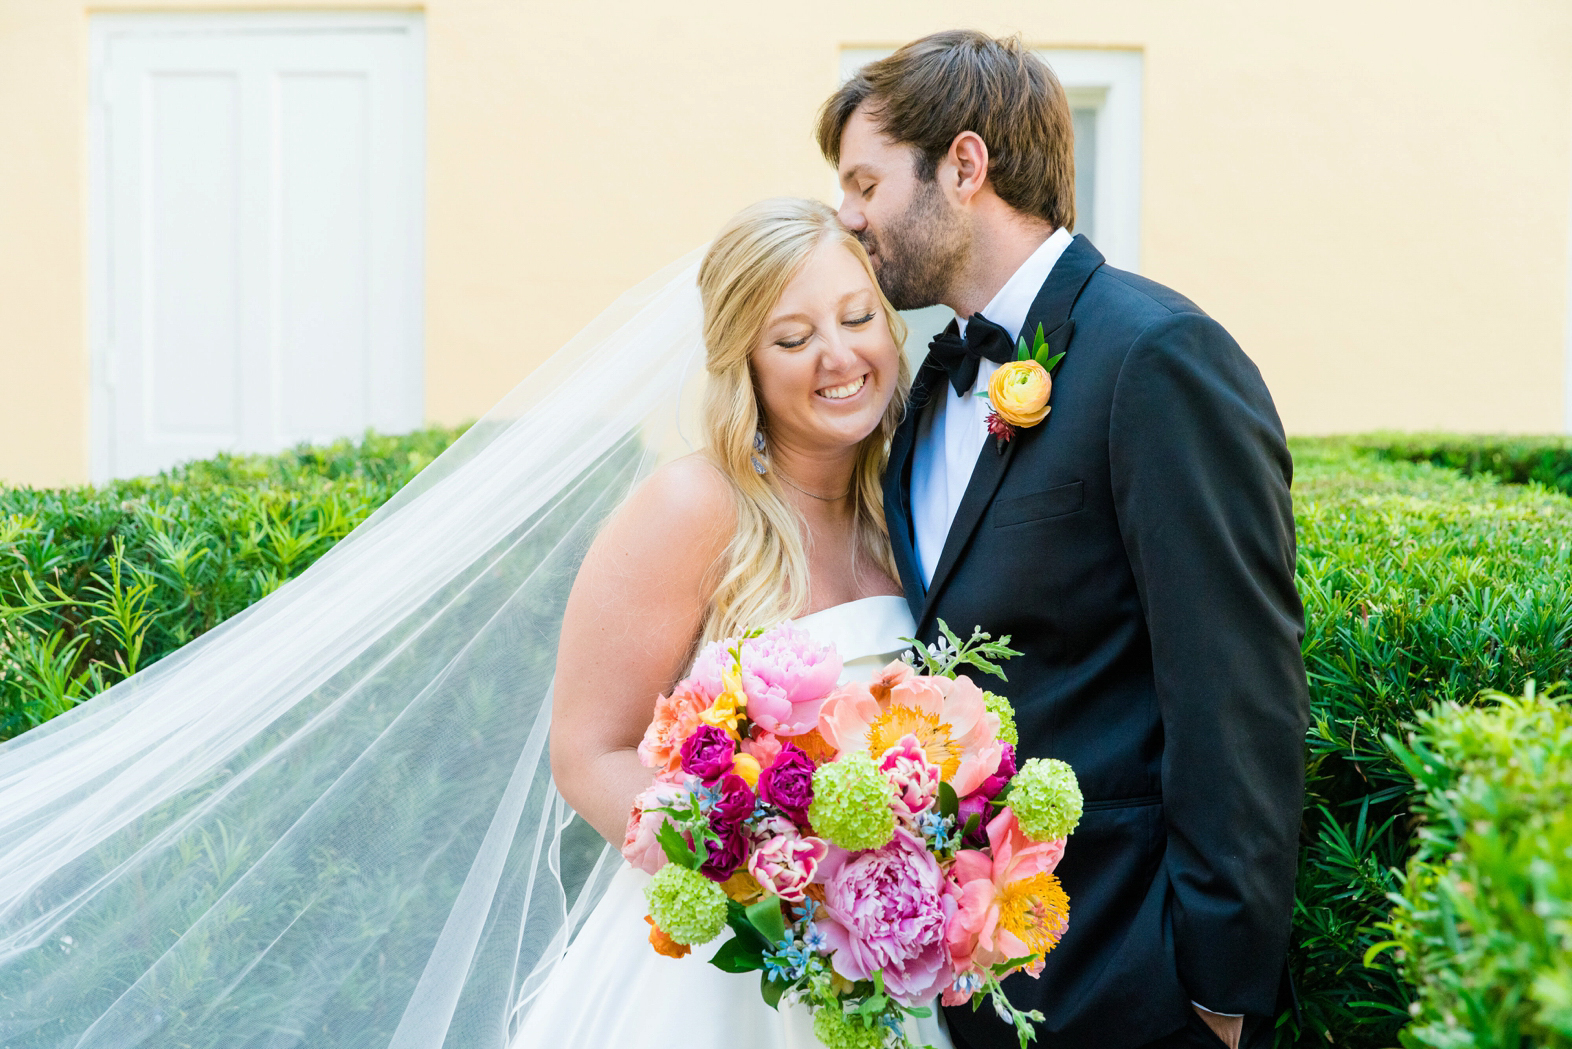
612 990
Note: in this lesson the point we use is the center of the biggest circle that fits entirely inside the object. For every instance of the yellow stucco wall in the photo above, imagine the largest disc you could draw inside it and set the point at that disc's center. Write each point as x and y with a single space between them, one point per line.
1373 197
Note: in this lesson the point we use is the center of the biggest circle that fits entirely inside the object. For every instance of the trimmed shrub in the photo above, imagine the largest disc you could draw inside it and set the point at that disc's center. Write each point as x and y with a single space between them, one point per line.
1483 926
1420 587
98 582
1516 460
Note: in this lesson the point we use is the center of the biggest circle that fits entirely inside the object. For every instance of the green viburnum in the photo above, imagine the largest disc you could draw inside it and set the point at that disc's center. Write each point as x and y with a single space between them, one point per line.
1001 708
851 803
686 905
1046 799
838 1031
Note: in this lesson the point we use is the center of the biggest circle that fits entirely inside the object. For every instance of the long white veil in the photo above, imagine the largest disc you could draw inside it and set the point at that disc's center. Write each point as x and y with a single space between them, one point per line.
330 821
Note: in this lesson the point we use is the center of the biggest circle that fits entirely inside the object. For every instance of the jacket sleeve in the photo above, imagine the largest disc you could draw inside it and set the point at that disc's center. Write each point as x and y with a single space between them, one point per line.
1201 472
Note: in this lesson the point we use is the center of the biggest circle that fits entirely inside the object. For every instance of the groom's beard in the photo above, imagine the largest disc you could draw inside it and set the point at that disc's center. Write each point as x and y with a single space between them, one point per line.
917 256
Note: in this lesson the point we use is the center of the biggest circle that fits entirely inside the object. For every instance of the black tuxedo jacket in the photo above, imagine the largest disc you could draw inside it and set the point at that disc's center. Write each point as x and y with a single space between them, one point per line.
1138 547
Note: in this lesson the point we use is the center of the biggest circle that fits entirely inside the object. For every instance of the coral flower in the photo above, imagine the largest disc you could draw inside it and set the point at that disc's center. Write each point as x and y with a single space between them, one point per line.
676 716
948 718
1011 905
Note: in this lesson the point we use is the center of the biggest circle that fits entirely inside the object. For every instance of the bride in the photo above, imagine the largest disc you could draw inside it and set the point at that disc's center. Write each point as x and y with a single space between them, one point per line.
332 820
779 517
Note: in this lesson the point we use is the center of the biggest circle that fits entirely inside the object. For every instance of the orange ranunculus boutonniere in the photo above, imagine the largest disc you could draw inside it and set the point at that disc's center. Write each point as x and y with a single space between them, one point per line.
1019 390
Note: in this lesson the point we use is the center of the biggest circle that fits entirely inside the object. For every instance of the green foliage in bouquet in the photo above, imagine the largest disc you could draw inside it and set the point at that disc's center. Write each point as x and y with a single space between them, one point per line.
1483 923
99 582
1420 586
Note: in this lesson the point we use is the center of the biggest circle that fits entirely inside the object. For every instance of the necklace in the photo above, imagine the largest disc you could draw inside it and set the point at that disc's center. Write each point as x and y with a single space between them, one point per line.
814 495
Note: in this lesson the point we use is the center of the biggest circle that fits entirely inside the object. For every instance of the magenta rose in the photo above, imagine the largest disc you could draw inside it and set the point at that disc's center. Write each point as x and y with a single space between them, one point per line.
788 783
888 909
708 753
733 804
725 858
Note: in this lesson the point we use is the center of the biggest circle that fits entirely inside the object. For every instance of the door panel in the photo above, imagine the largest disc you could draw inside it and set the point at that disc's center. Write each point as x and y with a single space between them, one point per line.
257 233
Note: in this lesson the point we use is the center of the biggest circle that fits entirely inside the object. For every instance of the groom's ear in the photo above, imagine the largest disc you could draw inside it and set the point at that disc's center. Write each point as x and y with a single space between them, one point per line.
964 170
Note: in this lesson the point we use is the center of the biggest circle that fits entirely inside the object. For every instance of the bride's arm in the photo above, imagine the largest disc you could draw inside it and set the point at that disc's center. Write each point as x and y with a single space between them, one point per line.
636 607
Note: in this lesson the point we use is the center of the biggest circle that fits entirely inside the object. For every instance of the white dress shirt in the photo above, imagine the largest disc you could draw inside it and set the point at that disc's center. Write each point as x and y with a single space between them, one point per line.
953 430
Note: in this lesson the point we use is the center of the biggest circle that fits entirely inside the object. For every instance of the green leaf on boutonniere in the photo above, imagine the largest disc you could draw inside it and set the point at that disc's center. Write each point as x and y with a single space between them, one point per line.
1048 363
1038 342
1021 352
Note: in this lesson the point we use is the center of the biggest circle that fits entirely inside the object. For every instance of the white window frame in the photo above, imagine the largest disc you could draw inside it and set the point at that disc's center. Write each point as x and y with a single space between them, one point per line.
1108 80
103 29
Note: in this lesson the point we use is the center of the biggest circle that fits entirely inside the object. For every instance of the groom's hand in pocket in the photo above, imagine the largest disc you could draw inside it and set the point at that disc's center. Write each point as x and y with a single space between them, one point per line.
1226 1028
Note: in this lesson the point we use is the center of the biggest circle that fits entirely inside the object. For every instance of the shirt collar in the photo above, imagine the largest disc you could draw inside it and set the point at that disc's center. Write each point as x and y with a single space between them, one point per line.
1009 307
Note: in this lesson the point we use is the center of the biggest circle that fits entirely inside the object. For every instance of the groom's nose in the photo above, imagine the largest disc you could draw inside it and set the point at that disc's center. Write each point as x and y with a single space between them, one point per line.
851 215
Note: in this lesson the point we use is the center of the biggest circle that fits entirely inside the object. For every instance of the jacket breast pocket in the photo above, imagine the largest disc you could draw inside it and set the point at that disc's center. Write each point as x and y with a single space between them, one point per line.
1039 506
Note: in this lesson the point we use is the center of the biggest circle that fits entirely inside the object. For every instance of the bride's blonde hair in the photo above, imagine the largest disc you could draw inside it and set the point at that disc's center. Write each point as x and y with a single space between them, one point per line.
763 577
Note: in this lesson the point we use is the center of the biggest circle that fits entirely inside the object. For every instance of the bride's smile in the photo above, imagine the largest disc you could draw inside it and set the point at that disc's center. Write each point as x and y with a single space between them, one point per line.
826 362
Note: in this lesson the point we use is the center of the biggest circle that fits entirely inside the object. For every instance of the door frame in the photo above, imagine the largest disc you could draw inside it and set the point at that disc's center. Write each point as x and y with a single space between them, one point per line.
104 30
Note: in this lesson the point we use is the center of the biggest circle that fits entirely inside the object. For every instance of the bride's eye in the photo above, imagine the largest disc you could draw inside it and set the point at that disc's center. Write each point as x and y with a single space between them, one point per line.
857 322
791 344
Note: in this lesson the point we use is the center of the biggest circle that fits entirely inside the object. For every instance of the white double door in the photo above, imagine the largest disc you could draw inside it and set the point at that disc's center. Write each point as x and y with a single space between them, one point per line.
256 234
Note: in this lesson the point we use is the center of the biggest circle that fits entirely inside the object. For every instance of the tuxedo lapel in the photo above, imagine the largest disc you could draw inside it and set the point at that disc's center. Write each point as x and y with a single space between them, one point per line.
1051 309
897 485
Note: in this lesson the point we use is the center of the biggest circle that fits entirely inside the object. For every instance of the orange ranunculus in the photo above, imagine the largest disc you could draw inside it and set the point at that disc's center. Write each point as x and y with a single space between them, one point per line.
1019 392
664 944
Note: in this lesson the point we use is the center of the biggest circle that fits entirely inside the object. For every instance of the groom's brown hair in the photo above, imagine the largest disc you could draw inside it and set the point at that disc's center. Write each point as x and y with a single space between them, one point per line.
961 80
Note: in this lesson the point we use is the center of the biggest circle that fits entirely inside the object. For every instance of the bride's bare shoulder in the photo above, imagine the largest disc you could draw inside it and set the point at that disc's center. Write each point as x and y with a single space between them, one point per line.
683 511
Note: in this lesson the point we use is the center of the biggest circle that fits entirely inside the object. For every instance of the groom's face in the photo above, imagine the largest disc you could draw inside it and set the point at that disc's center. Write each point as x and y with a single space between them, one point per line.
915 235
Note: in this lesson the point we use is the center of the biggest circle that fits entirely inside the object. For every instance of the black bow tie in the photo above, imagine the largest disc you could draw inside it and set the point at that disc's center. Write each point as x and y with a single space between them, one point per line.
961 357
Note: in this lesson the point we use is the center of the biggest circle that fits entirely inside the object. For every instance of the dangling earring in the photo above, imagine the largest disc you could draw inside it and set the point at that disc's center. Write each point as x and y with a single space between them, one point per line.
758 448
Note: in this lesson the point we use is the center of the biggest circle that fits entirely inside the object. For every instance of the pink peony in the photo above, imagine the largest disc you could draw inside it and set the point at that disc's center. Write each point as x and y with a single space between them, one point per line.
888 909
785 673
639 846
1011 905
786 863
916 779
676 717
949 719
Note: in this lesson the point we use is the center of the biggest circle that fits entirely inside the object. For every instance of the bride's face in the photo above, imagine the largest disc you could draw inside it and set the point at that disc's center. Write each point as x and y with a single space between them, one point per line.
826 363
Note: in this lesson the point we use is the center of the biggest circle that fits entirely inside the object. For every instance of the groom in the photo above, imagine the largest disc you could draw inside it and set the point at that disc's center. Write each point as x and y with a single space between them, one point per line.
1137 544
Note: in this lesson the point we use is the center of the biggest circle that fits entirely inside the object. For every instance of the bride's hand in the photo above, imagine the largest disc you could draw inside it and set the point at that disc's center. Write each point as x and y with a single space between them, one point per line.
636 607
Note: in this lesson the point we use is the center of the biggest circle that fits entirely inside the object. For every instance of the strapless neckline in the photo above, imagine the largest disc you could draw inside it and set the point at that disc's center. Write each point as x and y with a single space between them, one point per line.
865 631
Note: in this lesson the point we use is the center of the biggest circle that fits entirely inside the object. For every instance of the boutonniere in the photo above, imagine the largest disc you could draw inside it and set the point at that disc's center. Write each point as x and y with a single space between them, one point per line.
1019 390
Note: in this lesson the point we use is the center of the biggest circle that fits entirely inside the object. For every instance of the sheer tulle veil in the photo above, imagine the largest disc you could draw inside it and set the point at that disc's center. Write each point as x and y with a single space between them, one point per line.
331 821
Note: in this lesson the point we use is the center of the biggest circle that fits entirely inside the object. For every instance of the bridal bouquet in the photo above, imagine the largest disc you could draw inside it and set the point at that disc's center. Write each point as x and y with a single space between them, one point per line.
868 845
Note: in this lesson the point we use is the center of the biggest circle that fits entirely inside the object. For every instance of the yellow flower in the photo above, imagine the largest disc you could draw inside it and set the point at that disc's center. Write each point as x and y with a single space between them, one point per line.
1019 392
727 709
747 766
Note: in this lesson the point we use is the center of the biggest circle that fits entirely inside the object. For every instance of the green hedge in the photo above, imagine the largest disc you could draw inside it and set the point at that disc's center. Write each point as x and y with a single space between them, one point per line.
1420 586
96 582
1484 923
1516 460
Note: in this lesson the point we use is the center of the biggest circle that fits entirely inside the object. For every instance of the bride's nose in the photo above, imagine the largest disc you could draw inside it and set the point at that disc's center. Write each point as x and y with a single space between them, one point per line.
838 355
